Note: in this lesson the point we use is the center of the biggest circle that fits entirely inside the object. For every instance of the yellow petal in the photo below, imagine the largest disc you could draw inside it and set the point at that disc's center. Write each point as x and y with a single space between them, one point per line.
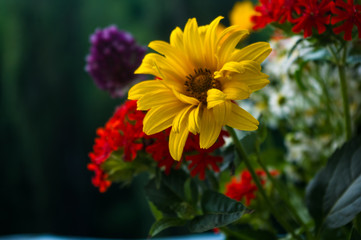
176 38
257 84
222 112
177 140
161 67
159 118
148 65
156 98
210 42
192 43
257 52
174 55
235 35
241 119
193 120
235 89
183 115
247 72
209 129
139 89
215 97
185 99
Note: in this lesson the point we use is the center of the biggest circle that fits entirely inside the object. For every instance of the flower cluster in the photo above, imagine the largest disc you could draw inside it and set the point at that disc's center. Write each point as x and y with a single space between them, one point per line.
201 159
124 132
114 55
308 14
243 187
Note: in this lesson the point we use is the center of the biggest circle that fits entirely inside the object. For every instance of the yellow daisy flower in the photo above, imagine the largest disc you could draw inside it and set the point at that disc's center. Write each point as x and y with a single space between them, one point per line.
241 14
202 74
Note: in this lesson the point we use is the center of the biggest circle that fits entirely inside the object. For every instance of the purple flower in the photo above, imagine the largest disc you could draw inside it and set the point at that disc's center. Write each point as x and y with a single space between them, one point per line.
114 56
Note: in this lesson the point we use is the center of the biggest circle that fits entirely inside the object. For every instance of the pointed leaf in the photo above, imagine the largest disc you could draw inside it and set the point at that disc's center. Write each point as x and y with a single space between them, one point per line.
334 195
162 197
218 211
169 196
165 223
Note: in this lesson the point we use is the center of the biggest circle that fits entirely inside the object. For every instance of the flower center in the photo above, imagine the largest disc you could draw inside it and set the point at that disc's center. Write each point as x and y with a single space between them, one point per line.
199 83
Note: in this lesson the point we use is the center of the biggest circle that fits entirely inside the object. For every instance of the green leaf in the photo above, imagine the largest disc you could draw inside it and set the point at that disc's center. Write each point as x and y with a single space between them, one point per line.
123 171
357 223
298 76
162 197
169 195
165 223
156 213
249 142
218 211
334 195
191 191
175 182
299 41
262 131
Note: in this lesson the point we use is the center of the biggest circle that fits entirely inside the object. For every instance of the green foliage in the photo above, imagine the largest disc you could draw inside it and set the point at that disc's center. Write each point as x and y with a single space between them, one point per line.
123 171
357 223
334 195
176 202
218 211
170 197
191 191
165 223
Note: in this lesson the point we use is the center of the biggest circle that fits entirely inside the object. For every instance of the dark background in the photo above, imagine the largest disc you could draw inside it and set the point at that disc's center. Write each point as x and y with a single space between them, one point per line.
50 109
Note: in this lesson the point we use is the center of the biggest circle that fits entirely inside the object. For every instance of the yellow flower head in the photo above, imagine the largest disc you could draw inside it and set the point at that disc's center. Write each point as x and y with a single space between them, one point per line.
202 73
241 14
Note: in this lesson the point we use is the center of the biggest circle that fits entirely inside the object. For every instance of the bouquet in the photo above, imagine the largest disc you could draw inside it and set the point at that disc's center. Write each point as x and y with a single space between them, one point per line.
258 140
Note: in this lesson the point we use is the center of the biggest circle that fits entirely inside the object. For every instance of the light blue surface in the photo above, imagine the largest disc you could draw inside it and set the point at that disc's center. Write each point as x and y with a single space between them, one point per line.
208 236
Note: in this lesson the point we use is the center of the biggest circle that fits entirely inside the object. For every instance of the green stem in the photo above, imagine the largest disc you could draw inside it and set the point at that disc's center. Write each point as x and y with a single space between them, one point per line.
350 234
344 91
280 188
346 106
243 155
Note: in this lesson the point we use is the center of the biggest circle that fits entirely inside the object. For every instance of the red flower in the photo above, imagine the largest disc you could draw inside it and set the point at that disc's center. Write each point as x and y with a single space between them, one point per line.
100 179
160 152
350 14
270 11
132 130
313 14
245 188
122 131
202 159
287 9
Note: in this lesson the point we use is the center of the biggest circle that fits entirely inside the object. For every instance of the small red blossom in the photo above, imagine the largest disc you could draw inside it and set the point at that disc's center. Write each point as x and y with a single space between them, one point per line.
216 230
132 130
202 159
100 179
313 14
245 187
122 131
288 8
348 13
269 11
159 151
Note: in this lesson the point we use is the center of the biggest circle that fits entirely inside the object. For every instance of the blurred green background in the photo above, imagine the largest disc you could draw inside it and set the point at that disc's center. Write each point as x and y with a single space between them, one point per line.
50 109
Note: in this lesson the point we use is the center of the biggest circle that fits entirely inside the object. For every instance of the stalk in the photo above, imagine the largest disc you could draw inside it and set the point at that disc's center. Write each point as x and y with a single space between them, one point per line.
242 154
